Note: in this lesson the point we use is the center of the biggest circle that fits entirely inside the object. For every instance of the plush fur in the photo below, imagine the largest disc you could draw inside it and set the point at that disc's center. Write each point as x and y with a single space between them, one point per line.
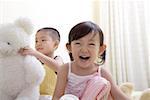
69 97
145 95
128 89
20 76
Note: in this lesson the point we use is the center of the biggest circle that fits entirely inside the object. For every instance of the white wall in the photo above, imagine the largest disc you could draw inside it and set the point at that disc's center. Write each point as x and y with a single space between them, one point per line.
61 14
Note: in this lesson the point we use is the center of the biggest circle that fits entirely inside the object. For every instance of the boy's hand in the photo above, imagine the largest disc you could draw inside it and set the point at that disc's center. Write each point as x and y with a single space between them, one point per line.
29 51
26 51
21 51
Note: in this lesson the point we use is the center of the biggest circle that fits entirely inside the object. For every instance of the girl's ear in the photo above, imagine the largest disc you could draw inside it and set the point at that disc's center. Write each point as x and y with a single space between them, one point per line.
102 49
68 47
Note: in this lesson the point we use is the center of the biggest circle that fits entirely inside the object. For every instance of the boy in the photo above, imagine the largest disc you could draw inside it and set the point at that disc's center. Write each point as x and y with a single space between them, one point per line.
47 41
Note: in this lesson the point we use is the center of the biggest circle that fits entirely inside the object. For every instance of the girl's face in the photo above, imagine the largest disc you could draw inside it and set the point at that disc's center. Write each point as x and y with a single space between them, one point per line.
85 50
44 43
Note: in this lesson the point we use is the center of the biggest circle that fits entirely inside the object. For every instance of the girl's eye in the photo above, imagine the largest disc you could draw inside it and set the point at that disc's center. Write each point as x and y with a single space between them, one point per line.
43 40
92 44
77 43
36 41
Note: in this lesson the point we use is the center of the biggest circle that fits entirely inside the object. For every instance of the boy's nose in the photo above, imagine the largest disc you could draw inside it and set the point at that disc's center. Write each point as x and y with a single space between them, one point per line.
38 43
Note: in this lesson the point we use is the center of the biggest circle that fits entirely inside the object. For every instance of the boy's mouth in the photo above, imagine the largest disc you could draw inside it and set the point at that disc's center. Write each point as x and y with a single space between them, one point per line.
39 48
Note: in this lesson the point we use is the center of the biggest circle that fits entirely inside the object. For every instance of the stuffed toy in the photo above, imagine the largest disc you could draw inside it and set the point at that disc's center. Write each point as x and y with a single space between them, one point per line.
20 76
128 89
69 97
145 95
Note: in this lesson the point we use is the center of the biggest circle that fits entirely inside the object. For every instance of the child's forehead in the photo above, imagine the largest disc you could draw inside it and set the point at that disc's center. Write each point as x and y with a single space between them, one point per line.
43 34
90 36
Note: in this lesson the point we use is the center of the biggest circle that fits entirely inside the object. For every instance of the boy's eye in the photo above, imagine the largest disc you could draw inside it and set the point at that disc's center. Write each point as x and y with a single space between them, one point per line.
43 40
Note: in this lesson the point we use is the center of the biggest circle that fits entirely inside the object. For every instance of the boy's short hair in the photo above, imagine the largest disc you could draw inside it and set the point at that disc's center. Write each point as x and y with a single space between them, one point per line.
54 32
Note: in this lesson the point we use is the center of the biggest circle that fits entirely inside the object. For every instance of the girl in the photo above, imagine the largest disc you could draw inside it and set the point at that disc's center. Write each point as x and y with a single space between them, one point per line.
83 77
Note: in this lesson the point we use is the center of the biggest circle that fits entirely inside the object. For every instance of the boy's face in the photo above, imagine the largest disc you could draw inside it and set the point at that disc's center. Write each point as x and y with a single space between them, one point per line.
44 43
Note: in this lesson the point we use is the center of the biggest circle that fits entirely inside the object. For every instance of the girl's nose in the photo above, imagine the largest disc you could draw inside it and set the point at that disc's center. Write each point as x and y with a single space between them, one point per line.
84 49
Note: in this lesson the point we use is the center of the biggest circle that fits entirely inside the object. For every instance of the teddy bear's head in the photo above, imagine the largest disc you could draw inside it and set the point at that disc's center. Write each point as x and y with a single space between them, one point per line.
14 36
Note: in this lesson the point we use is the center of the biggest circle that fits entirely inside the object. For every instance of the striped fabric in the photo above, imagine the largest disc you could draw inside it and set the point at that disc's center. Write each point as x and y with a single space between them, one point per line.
97 88
90 87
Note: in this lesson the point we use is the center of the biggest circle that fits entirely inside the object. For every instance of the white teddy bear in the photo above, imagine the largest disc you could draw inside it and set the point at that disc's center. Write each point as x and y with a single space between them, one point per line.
20 76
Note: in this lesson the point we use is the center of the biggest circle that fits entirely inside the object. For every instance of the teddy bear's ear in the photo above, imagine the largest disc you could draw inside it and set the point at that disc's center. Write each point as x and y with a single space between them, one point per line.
25 24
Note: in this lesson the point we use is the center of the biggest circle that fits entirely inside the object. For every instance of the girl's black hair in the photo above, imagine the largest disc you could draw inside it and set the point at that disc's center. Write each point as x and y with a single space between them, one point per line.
82 29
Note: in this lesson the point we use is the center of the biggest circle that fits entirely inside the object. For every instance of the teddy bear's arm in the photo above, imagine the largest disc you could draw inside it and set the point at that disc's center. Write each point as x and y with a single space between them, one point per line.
4 96
29 93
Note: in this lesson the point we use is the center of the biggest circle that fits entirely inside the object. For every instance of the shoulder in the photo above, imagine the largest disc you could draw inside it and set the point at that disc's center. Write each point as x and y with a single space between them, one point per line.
106 74
105 71
59 59
63 69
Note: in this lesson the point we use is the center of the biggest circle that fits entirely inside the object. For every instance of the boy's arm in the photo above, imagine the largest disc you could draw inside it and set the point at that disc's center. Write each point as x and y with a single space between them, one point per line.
61 82
50 62
116 92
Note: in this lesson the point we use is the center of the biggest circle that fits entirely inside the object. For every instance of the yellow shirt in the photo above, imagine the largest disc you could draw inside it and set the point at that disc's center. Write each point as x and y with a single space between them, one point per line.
48 85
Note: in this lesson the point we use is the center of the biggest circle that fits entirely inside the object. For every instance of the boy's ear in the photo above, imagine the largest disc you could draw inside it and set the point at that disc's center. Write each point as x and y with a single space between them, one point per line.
68 47
102 49
56 44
